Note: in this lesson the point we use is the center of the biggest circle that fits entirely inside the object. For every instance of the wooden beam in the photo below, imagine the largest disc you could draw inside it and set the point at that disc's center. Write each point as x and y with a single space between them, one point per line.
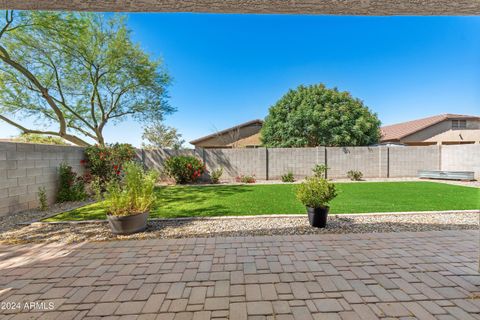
333 7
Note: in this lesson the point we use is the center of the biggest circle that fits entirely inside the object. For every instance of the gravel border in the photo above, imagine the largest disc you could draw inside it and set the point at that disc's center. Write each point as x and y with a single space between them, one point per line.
243 226
16 220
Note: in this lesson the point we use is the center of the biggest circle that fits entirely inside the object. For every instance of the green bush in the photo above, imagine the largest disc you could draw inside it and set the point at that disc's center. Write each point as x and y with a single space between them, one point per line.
288 177
320 171
40 139
355 175
134 194
71 187
184 169
245 179
96 189
42 199
215 175
106 162
316 192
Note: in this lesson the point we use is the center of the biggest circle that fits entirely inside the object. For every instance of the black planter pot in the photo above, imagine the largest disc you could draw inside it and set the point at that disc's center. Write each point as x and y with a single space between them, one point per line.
128 224
318 216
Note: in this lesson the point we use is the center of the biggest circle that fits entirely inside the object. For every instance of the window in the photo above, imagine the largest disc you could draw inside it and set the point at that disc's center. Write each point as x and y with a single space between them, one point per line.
459 124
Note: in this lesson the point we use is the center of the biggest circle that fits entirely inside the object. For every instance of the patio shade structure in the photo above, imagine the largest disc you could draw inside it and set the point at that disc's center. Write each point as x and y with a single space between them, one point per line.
334 7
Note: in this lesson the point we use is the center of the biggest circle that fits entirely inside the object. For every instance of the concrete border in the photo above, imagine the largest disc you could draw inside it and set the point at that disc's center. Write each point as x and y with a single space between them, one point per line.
298 215
331 7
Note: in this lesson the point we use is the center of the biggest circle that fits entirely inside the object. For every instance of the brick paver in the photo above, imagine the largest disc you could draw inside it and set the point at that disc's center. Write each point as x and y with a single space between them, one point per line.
423 275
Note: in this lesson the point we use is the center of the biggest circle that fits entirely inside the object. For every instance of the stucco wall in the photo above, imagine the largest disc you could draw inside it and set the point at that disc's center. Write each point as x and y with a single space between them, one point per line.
240 137
443 132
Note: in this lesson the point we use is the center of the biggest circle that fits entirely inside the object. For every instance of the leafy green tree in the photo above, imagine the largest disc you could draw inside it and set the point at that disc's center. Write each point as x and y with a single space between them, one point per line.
316 116
159 136
76 72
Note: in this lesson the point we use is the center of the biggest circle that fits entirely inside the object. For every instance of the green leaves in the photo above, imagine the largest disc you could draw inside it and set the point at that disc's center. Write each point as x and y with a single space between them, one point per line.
314 115
80 70
316 192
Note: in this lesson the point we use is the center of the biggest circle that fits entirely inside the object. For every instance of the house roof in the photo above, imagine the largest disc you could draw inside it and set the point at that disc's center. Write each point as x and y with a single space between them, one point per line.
215 134
404 129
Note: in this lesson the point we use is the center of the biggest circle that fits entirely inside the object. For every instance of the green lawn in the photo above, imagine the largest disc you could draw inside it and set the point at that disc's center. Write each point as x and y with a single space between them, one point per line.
180 201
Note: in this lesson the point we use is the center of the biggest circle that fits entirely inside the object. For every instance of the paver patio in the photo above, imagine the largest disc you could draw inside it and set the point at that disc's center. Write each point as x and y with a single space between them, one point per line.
407 275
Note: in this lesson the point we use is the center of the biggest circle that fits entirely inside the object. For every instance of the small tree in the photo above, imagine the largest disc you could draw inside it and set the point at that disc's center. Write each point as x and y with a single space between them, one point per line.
76 72
314 115
160 136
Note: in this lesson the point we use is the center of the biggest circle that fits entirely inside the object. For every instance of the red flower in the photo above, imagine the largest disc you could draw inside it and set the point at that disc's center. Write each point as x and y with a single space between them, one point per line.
115 167
118 172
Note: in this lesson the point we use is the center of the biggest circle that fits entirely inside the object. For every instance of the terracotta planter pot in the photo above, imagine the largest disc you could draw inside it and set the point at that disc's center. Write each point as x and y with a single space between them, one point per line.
318 216
128 224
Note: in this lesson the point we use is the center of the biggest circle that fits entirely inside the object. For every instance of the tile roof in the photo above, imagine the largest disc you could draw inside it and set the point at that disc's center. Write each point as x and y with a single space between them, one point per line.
404 129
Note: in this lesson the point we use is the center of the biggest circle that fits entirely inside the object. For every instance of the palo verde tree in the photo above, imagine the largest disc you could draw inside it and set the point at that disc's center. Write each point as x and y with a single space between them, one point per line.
158 136
316 116
76 72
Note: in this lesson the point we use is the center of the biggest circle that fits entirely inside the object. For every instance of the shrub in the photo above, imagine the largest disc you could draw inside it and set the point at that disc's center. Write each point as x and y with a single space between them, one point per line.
320 171
39 138
216 174
106 162
71 187
134 194
184 169
42 199
96 189
355 175
316 192
288 177
245 179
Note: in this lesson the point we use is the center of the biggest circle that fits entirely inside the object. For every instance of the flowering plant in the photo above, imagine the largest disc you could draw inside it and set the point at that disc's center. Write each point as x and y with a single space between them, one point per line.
71 187
184 169
106 162
245 179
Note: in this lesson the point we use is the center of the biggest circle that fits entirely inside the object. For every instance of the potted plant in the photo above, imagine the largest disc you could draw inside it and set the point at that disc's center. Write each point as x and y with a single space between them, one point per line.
315 193
129 200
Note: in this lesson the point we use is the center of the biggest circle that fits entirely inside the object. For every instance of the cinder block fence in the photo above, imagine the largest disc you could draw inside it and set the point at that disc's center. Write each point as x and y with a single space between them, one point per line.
26 167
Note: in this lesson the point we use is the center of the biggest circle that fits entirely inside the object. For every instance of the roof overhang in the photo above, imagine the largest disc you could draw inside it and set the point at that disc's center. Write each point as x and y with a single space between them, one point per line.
334 7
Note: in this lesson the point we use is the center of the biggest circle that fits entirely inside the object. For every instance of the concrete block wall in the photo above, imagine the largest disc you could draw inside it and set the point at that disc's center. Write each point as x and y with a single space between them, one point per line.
371 161
299 161
461 158
25 167
154 159
237 162
407 161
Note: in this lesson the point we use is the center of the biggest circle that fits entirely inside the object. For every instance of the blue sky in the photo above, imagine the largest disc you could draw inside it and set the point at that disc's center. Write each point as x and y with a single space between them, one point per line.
228 69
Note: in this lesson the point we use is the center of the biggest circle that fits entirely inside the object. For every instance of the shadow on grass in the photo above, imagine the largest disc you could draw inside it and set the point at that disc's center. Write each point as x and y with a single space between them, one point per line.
204 200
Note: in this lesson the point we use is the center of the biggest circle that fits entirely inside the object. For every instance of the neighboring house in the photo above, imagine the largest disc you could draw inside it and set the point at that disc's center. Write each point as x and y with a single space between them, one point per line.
245 135
437 130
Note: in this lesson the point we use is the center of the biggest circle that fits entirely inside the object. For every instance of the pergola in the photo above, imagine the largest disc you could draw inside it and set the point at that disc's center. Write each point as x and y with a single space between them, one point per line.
333 7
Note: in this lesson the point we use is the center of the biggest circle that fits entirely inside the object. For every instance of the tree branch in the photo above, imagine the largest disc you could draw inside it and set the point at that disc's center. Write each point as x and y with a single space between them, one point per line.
36 82
66 136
